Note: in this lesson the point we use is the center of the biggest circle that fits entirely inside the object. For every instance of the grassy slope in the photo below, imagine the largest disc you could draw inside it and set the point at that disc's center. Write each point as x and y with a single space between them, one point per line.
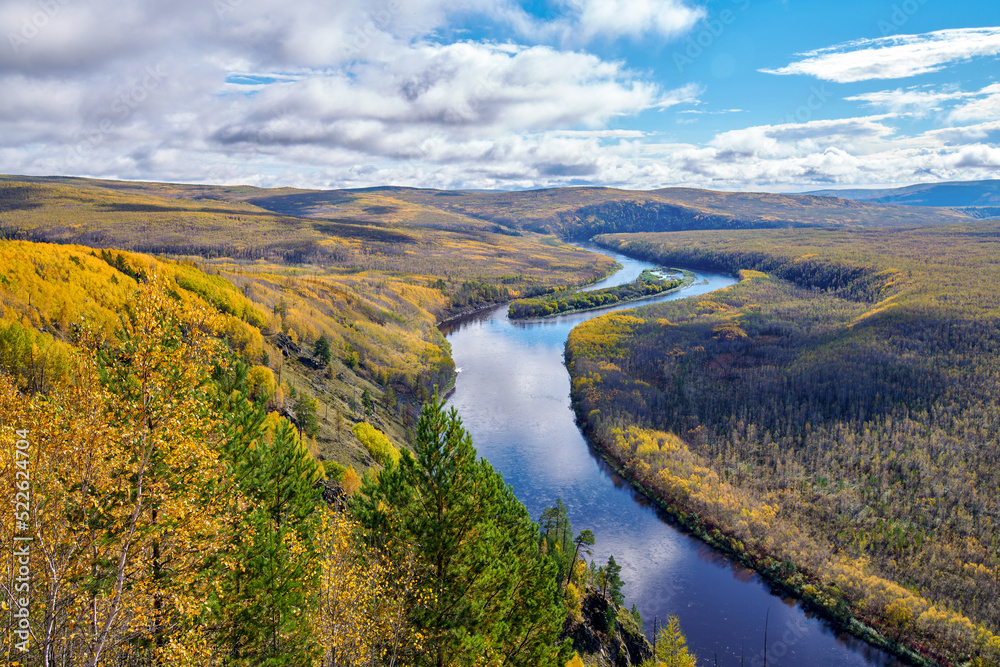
842 420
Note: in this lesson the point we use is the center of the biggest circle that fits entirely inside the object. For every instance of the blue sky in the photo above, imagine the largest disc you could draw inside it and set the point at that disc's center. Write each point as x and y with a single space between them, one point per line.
727 94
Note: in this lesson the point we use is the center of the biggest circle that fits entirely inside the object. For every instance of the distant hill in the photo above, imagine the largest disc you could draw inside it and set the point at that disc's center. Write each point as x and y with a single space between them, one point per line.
580 213
292 225
979 199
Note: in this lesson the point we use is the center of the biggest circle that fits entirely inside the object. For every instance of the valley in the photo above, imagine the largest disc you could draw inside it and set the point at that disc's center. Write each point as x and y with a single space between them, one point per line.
827 421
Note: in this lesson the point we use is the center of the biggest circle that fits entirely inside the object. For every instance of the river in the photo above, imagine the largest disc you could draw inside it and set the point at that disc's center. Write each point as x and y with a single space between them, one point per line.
512 393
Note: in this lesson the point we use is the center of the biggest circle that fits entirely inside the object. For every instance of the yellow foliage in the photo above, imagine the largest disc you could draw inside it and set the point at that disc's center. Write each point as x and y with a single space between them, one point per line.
376 443
364 601
351 482
260 382
574 599
115 457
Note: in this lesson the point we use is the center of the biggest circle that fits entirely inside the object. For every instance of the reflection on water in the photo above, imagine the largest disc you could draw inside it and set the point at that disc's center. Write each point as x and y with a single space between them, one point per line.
513 397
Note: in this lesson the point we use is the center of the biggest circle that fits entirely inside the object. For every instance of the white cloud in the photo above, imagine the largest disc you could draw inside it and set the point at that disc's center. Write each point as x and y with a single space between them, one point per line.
467 90
367 92
686 94
985 107
913 101
895 57
855 135
613 18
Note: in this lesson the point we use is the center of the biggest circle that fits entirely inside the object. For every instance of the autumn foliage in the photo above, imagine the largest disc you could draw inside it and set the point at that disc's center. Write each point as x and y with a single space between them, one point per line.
828 419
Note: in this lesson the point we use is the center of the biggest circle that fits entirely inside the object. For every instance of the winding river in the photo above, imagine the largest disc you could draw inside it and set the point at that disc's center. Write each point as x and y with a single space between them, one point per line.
512 393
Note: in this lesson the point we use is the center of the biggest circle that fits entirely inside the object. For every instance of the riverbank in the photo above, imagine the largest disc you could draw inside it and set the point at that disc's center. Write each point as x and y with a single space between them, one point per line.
808 591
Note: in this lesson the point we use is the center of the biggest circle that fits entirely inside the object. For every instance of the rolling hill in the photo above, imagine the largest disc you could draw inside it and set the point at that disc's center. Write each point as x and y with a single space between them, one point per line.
980 199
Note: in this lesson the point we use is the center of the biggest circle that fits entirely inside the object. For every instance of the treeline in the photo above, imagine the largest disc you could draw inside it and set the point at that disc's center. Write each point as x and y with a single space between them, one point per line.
647 284
839 431
371 232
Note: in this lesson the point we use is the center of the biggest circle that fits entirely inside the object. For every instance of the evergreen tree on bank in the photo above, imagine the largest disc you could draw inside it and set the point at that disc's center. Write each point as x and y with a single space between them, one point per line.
489 592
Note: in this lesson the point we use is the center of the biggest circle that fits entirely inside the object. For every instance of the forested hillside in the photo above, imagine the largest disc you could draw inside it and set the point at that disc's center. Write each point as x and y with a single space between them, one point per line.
832 418
168 513
168 519
200 434
371 282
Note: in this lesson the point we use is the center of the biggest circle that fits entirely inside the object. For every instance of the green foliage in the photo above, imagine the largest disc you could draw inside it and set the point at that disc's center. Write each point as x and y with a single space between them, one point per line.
334 470
321 350
266 574
613 581
557 537
492 594
305 415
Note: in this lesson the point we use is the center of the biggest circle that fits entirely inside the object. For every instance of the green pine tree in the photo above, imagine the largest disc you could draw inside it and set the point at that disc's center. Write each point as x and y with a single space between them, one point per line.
321 350
613 581
494 595
266 576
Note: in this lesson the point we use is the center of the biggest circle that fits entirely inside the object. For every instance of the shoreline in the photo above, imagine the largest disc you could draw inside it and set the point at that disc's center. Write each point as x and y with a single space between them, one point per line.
690 523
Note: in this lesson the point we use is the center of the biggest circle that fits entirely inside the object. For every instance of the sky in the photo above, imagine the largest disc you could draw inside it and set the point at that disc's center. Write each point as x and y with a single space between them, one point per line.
760 95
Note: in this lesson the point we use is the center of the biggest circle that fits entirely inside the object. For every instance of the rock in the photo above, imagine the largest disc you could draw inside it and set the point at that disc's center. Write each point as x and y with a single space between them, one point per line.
621 646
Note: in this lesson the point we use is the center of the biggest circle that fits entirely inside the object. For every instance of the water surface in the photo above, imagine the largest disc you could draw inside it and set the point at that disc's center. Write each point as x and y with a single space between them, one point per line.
512 393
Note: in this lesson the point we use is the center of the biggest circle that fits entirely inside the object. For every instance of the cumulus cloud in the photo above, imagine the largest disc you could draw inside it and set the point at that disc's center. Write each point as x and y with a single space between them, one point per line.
855 135
467 90
366 92
895 57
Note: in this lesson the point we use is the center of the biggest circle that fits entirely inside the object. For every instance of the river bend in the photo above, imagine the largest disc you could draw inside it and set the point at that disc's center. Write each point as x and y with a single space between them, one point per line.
512 393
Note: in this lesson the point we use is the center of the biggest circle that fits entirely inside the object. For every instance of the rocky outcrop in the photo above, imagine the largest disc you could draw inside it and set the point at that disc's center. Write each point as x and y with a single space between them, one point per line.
623 645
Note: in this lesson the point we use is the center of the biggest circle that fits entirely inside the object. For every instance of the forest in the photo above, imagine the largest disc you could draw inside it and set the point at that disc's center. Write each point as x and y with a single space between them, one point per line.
169 517
831 419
